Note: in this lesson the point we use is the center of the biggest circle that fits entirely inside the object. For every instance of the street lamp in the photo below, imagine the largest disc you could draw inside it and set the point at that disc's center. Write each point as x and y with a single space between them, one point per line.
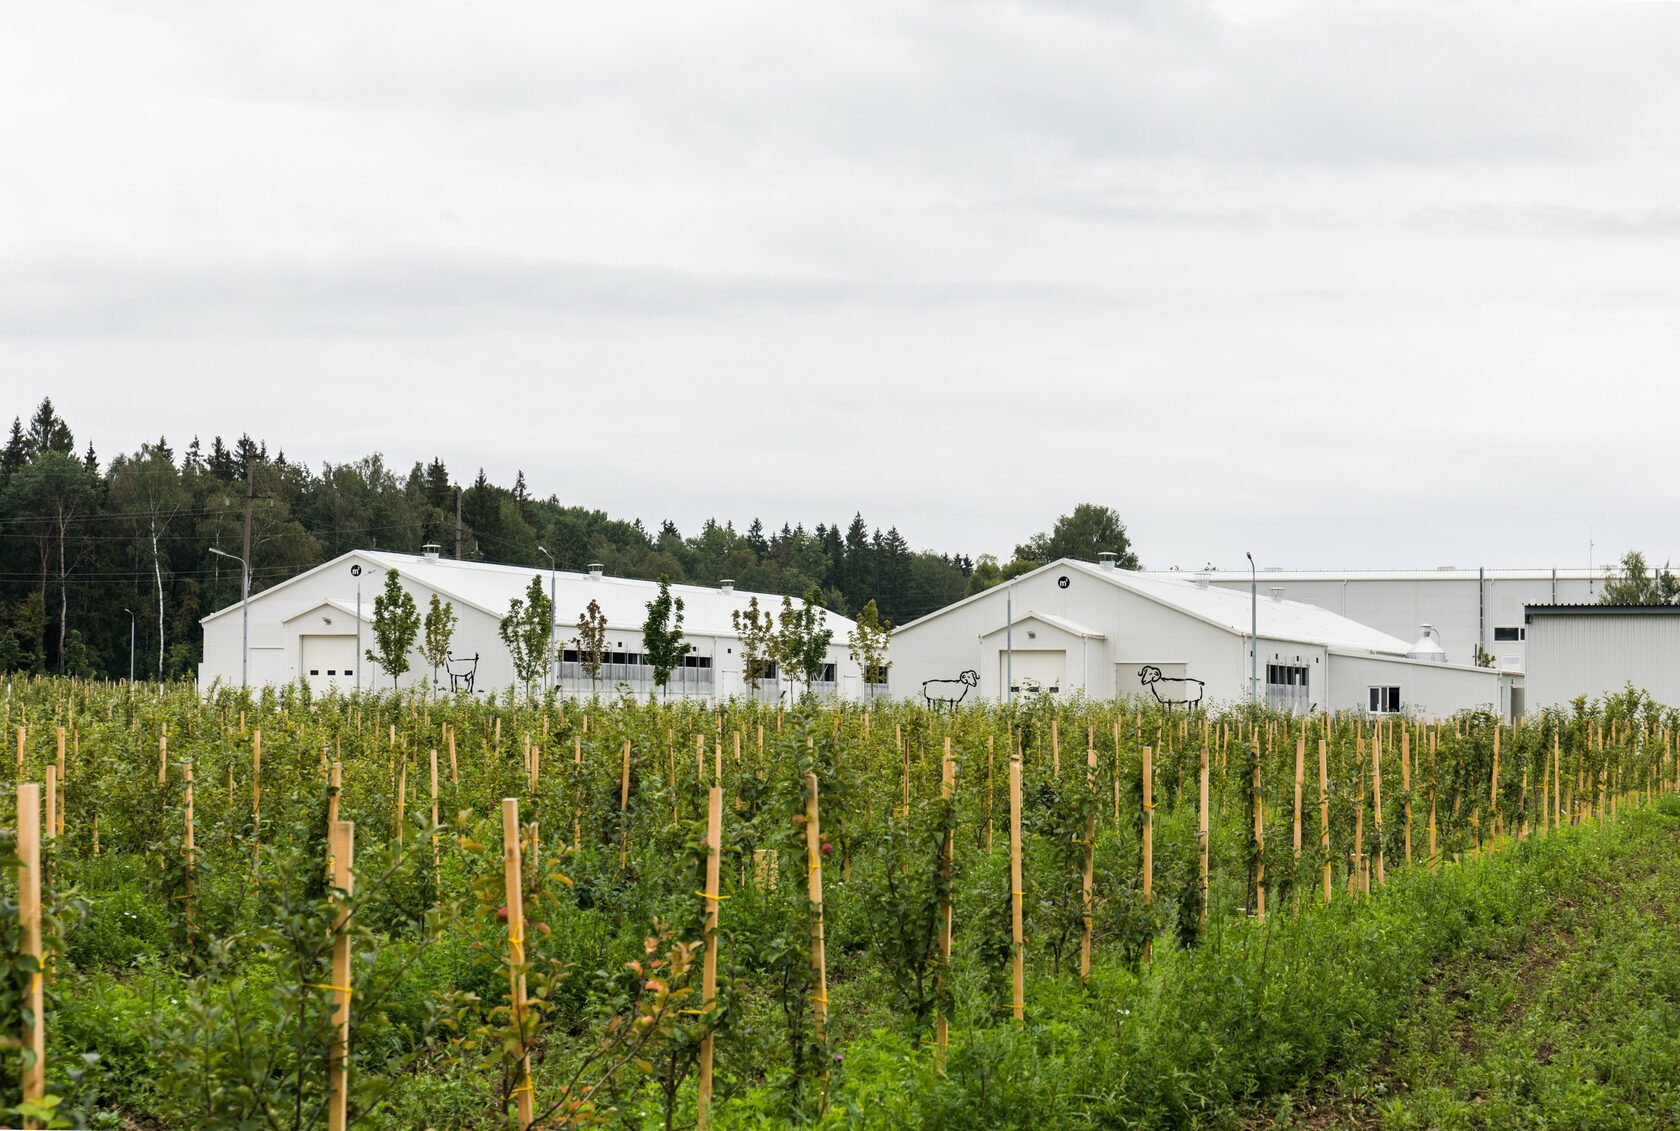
130 613
1253 630
356 572
548 668
244 616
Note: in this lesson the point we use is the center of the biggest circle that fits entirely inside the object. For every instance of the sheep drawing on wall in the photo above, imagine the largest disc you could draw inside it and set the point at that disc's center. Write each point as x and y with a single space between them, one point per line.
949 692
1170 692
462 672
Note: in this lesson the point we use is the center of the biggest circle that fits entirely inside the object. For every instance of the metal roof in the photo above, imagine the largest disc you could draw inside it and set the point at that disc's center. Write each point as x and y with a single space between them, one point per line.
1222 608
489 586
1532 611
1596 573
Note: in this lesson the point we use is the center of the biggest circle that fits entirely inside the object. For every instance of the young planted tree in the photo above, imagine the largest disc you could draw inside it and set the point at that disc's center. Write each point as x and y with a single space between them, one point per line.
803 637
525 630
868 645
396 623
662 635
591 641
757 632
439 631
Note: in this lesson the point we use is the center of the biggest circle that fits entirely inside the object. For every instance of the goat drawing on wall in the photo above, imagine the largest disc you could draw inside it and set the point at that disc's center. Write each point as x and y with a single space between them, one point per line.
949 692
1170 692
462 672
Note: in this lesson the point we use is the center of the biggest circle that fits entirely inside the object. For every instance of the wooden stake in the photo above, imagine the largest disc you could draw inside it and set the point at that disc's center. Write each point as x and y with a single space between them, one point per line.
1148 842
256 790
188 848
708 969
454 773
437 871
1324 808
55 817
1434 856
1088 862
989 756
29 919
1019 1002
814 892
163 757
1202 846
341 853
1406 785
624 809
1376 802
947 860
1300 782
1259 839
513 884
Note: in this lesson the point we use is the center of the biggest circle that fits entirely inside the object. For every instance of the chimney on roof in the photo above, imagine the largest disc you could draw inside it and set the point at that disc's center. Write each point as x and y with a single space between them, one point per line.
1105 560
430 551
1202 579
595 569
1277 593
727 585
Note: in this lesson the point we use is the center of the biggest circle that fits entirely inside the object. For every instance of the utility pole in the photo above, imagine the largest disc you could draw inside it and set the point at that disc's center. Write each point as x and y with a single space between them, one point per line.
250 496
1253 631
548 668
459 530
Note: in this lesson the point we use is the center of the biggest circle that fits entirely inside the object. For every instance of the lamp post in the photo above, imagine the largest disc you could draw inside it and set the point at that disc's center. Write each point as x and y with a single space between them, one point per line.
1253 630
130 613
356 572
548 666
244 615
1009 643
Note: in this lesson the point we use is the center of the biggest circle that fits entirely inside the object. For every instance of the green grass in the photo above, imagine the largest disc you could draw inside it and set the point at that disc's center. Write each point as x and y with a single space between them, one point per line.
1537 987
1574 1023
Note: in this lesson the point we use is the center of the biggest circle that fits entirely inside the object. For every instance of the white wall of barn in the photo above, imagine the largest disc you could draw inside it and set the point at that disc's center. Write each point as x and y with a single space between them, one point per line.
284 622
1595 655
1135 631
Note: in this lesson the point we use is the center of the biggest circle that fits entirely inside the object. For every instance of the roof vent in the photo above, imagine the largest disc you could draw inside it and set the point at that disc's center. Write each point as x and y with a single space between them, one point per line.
1203 580
430 551
595 569
727 585
1428 648
1105 560
1277 593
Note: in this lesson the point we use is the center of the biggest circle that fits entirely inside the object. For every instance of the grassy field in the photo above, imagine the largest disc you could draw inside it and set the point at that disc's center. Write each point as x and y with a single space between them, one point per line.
1571 1020
194 944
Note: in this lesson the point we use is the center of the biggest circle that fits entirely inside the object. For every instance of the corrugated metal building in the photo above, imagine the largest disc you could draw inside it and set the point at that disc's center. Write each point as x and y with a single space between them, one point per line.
1594 649
1072 628
306 630
1465 607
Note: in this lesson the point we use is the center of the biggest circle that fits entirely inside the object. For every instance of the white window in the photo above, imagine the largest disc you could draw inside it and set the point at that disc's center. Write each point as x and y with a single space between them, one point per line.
1385 700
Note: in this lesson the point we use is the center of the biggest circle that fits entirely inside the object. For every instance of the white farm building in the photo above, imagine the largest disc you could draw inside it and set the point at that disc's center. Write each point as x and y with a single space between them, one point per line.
1466 608
1075 627
306 630
1598 650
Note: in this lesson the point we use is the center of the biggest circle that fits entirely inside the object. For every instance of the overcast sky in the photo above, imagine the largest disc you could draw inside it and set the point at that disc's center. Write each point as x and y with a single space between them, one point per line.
1348 285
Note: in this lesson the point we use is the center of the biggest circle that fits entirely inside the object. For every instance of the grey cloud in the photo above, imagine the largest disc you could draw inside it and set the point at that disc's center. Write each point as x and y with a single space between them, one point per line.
438 295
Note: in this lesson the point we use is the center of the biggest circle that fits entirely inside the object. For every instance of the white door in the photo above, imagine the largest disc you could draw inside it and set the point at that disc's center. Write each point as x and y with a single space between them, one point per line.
328 661
1039 671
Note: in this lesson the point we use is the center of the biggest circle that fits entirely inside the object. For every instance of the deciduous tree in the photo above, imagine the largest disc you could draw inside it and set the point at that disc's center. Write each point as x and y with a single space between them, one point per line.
396 622
662 636
525 630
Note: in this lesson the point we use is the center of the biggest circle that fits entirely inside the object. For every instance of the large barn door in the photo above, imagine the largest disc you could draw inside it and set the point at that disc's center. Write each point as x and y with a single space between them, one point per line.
328 661
1038 671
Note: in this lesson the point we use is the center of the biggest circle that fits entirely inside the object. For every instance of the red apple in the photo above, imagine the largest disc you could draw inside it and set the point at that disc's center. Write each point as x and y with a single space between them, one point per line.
827 848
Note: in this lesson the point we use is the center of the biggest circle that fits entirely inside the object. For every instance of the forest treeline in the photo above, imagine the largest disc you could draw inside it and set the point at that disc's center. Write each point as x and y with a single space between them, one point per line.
93 551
